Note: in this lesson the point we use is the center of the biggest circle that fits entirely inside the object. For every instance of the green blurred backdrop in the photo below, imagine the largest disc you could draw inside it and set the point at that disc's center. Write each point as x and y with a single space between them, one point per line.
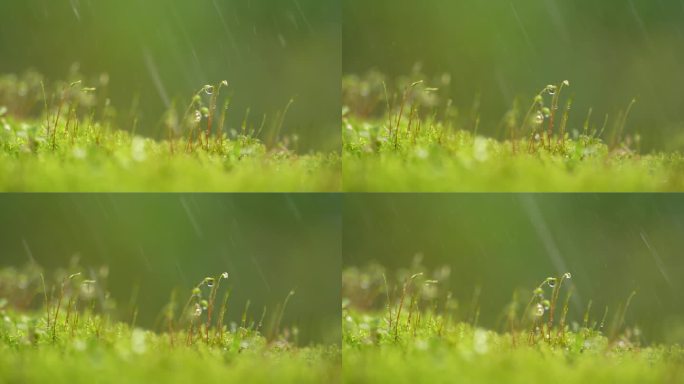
269 50
610 51
612 245
269 244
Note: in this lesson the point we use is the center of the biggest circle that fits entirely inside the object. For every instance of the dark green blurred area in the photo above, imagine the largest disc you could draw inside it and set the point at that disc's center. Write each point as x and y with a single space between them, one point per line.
610 51
612 245
269 245
270 51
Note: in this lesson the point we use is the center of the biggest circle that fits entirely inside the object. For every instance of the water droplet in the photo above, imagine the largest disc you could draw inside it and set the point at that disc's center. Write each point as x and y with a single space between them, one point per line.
88 289
539 310
209 89
480 342
138 152
422 345
551 281
198 310
198 116
138 342
539 118
79 153
546 304
480 149
209 281
79 344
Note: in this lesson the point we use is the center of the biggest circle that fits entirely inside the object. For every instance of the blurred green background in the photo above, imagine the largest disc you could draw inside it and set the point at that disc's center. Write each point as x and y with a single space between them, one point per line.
269 244
269 50
612 245
610 51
